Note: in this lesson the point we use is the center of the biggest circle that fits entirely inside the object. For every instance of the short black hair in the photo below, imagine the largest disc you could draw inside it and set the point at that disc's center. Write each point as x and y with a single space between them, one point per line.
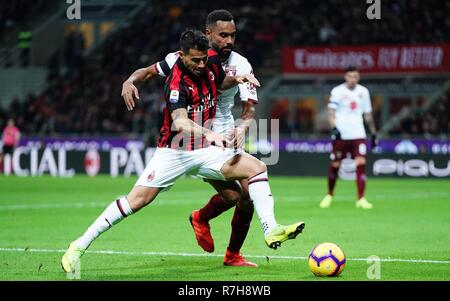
218 15
193 39
351 69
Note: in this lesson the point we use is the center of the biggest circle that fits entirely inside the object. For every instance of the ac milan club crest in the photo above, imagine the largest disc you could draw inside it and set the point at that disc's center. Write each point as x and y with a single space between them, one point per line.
151 176
92 162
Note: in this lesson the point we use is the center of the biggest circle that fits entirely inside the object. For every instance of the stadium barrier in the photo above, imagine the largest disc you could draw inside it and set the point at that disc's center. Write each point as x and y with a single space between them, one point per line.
131 161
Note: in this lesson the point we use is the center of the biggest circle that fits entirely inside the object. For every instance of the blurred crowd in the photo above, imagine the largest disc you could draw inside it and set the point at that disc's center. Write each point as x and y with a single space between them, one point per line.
433 122
15 15
86 99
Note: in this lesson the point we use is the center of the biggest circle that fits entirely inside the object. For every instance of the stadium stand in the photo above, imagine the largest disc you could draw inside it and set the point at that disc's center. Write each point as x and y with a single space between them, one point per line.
85 99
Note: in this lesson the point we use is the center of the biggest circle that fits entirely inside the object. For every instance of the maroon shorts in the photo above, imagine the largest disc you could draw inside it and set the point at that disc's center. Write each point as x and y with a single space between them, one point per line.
356 148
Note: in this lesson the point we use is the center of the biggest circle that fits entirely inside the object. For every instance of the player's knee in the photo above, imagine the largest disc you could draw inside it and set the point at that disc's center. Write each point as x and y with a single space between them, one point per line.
336 163
245 203
260 167
360 161
231 197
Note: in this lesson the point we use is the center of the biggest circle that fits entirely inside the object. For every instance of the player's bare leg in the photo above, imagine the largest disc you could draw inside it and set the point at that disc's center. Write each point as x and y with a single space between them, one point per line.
245 166
361 183
138 198
332 178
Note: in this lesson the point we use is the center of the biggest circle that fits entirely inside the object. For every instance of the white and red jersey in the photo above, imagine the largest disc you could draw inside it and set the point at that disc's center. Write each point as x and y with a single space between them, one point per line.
236 64
350 105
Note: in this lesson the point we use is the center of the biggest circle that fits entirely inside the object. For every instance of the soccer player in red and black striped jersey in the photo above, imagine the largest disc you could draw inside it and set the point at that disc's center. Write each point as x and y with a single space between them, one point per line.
221 32
190 148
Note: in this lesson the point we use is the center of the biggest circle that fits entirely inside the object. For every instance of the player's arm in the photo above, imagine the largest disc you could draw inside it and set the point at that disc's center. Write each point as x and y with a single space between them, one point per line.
368 118
16 142
129 90
247 116
231 81
332 107
182 123
332 118
335 134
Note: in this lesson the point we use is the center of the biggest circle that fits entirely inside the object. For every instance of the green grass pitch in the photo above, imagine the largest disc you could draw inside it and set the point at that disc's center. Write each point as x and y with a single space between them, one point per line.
408 229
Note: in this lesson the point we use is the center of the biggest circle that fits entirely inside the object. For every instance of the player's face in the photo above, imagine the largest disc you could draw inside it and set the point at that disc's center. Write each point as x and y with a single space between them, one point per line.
222 37
352 79
195 60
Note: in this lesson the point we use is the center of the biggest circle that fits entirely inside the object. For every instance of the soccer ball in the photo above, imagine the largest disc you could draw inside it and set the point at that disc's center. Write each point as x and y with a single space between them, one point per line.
326 259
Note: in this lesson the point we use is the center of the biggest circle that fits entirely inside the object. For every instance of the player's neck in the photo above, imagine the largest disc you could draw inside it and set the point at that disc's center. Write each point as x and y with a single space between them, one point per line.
224 58
351 88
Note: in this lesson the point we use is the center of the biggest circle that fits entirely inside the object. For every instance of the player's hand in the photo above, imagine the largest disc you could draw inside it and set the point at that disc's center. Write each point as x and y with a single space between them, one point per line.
248 78
335 134
238 137
374 140
216 139
129 91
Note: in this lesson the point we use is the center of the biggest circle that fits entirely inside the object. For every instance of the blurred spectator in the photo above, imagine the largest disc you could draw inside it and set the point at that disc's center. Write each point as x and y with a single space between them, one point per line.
86 100
434 122
10 140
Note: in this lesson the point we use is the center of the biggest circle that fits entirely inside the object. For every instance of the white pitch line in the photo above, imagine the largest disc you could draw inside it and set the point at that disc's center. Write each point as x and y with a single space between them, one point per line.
172 202
215 255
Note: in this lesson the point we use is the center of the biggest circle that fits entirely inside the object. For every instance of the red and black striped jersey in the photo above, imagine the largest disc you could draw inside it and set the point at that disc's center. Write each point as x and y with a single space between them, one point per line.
197 94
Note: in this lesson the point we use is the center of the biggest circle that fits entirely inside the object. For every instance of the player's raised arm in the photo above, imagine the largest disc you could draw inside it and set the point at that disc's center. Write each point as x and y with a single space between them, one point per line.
231 81
129 90
182 123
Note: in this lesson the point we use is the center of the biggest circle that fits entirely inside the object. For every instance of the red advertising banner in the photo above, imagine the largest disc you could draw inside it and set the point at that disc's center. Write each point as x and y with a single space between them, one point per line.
369 59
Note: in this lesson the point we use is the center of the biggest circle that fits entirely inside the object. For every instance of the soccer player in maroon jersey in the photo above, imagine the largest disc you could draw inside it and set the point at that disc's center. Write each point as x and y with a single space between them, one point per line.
187 146
221 32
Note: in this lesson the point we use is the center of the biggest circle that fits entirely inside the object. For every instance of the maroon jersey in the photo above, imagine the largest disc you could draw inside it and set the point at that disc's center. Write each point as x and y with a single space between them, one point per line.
197 94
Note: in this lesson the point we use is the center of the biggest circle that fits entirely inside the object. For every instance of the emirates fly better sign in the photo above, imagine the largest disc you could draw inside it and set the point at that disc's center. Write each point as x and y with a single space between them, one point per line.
369 59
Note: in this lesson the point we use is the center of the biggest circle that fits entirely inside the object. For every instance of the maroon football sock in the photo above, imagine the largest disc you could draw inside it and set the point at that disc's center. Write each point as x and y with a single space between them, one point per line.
361 179
216 206
240 225
332 177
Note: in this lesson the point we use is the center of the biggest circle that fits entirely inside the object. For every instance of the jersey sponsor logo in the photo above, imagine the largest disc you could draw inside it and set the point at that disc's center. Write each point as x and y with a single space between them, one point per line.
207 102
353 105
174 95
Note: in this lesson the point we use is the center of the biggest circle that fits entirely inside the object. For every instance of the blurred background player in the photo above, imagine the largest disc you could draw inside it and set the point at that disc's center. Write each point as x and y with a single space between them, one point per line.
349 102
221 32
10 140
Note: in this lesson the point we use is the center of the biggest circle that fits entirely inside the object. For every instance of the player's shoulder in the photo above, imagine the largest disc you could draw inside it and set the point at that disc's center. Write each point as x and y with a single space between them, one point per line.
239 60
213 57
172 57
212 52
338 88
362 88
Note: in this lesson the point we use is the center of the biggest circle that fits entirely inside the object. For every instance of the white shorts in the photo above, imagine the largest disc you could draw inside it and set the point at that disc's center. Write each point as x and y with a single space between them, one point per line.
223 126
167 165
